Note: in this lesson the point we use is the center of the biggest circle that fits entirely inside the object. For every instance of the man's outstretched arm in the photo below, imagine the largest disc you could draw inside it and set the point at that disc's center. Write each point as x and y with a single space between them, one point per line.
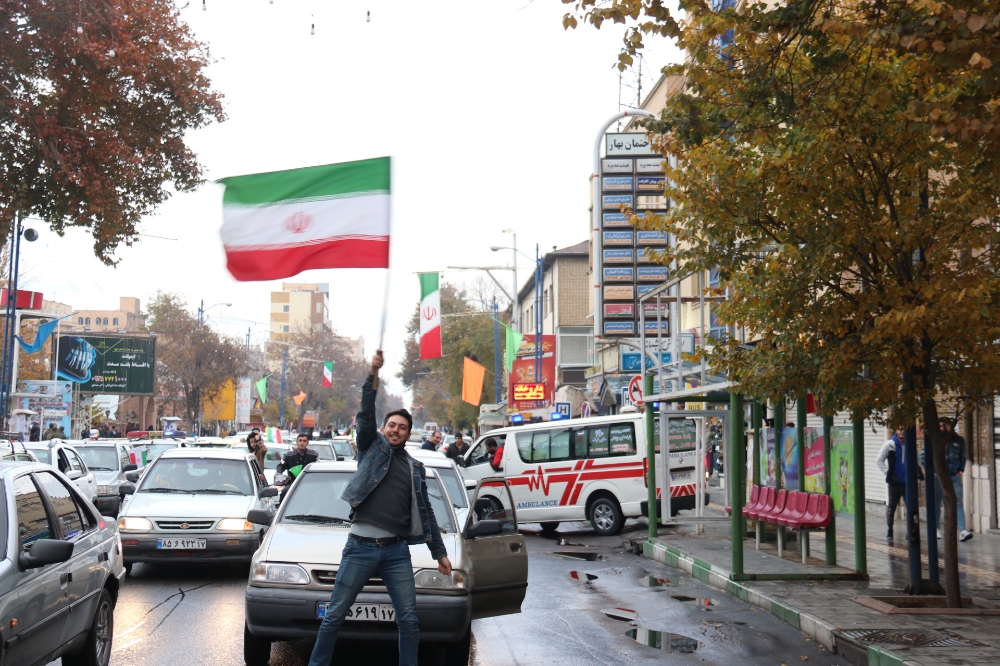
367 425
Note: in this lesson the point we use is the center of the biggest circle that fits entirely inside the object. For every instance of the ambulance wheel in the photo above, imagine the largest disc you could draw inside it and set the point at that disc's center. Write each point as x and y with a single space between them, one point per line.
606 516
549 528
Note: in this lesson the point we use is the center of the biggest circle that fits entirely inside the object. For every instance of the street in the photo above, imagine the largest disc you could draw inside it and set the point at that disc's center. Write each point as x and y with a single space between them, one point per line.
194 615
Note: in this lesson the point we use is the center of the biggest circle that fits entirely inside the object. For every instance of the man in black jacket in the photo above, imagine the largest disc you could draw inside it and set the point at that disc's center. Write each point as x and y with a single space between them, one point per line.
300 455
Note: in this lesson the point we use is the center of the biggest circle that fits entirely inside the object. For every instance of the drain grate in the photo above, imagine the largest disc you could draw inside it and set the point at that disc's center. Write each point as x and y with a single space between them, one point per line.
894 637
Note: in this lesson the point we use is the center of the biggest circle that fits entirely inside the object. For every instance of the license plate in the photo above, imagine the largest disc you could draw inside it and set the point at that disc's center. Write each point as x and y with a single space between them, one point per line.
362 612
183 544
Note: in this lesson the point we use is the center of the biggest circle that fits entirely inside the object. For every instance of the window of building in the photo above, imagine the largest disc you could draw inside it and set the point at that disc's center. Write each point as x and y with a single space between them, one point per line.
319 308
79 320
87 321
552 301
105 321
575 346
716 329
115 321
284 308
545 303
284 329
713 278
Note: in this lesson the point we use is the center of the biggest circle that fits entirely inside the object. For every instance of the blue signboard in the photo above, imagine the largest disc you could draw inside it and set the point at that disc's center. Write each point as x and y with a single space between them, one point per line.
563 409
631 362
645 255
616 220
618 238
651 326
617 183
619 328
652 273
619 256
643 289
619 274
651 237
616 200
650 183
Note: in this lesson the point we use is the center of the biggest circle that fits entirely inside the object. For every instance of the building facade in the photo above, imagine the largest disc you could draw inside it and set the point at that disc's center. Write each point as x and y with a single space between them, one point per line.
128 318
299 307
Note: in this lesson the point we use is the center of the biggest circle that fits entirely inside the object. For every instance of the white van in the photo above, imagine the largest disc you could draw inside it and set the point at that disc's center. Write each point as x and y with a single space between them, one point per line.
585 469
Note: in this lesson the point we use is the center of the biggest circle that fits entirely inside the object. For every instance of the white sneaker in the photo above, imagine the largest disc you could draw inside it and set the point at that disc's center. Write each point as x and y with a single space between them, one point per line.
965 535
940 534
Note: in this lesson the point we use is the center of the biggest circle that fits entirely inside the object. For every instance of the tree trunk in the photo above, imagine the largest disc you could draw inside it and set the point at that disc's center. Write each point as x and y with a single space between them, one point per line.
952 586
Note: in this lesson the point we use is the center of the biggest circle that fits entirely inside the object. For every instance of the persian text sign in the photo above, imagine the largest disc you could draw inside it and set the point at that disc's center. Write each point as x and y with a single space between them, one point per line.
533 391
633 143
117 365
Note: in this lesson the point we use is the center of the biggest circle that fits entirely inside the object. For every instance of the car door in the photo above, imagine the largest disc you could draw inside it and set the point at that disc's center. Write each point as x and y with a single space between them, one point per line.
85 575
499 557
42 594
87 483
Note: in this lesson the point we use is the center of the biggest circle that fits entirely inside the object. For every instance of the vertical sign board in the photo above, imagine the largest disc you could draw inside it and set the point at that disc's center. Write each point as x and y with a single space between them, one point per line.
842 468
244 400
815 467
527 394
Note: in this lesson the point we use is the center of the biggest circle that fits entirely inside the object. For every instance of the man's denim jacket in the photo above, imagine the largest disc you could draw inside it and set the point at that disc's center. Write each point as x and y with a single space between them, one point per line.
374 453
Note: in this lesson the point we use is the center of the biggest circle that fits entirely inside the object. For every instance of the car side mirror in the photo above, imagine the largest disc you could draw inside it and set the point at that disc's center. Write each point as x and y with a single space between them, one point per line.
45 552
126 489
74 474
260 517
130 468
270 491
132 476
484 528
470 484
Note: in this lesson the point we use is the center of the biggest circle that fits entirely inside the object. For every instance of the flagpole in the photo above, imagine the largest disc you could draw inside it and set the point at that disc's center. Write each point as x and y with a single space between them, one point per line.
388 268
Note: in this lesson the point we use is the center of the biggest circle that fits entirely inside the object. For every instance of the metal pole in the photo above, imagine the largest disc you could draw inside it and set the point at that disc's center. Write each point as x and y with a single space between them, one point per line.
933 569
596 209
496 352
758 420
651 455
912 509
15 326
831 528
515 315
736 464
779 460
800 436
539 277
858 483
8 320
281 401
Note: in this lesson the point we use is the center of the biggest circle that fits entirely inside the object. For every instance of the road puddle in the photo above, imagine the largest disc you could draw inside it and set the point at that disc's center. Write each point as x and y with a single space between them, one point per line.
621 614
704 602
654 581
662 640
681 597
582 576
571 555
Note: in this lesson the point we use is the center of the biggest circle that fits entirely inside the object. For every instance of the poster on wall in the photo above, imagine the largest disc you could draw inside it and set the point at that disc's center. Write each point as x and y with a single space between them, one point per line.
523 372
815 463
51 401
789 458
769 475
842 468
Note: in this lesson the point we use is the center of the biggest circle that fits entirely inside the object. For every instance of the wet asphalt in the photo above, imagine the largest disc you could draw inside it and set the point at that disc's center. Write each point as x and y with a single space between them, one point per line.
585 595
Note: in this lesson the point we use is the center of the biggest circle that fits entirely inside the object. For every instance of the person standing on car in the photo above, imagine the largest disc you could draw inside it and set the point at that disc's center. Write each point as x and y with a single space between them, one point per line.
300 455
390 509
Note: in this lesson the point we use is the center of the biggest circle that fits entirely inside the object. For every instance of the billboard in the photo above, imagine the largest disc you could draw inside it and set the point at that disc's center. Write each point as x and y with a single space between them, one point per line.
244 399
51 401
522 373
104 364
222 406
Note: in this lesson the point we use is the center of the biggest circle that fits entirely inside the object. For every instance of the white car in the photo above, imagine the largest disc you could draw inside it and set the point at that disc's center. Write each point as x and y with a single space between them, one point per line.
448 472
190 506
61 455
147 450
293 573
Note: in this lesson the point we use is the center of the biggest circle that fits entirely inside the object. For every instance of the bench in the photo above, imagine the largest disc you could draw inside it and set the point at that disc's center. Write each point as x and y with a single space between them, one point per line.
792 509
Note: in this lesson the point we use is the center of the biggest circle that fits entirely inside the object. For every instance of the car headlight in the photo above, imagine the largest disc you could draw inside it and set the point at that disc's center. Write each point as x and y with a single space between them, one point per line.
435 580
103 490
131 524
289 574
234 525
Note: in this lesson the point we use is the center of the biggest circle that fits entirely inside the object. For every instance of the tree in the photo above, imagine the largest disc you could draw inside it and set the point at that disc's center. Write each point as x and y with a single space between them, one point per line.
466 330
192 360
96 101
854 230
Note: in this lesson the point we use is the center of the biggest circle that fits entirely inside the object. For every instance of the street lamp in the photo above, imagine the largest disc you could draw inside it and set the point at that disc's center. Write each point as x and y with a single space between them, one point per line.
12 323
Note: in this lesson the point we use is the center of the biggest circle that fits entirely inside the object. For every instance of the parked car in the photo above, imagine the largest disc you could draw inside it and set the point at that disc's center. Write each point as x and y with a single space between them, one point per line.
65 458
449 474
60 579
211 442
190 506
342 445
109 461
293 572
147 450
12 449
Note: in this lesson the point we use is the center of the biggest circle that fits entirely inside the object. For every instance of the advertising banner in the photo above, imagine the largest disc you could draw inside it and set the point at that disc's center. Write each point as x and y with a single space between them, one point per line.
631 143
617 183
619 293
619 256
769 473
222 407
649 165
616 220
616 201
523 372
619 310
616 166
244 399
52 402
842 467
815 464
113 365
618 238
789 458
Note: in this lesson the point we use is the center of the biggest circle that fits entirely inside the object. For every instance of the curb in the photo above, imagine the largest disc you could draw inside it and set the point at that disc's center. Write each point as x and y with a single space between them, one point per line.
814 627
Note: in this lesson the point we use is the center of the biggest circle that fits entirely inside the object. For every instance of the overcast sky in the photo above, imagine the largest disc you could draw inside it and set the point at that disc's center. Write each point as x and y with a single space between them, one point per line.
489 109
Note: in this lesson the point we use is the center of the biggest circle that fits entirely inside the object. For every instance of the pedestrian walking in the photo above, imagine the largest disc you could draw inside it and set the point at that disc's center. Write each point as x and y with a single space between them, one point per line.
433 442
954 451
390 510
890 462
34 434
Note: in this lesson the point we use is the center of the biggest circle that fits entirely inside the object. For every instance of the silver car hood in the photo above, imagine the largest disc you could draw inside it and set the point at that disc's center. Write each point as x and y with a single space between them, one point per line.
320 544
169 505
105 477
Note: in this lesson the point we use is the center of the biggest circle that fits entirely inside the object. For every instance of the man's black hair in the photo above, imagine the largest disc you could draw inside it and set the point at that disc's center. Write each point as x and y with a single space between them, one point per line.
399 412
301 434
459 434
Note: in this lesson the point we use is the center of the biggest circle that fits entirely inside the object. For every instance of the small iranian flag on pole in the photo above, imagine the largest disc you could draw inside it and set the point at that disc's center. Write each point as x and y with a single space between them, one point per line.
328 373
278 224
430 316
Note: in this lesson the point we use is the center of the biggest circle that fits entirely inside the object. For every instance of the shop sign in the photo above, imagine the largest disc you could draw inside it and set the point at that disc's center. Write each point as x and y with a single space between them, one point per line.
632 143
649 165
619 293
654 183
616 166
619 256
619 328
651 202
618 238
616 220
651 237
619 310
652 273
532 391
617 183
615 201
619 275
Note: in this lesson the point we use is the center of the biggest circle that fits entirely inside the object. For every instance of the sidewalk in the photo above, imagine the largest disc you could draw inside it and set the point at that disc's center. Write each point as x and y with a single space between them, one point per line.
825 610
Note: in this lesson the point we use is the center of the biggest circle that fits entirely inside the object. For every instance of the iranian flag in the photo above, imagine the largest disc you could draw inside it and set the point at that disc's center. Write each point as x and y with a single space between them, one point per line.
430 316
278 224
328 373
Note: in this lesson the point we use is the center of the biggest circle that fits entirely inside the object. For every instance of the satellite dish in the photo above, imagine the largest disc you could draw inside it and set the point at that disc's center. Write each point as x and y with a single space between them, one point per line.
30 235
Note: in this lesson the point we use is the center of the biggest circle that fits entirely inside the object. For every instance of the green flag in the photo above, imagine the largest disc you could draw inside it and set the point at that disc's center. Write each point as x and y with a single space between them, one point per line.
295 471
262 388
513 344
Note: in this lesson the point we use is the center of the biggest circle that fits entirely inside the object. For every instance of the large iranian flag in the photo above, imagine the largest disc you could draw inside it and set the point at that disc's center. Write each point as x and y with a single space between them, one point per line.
279 224
430 316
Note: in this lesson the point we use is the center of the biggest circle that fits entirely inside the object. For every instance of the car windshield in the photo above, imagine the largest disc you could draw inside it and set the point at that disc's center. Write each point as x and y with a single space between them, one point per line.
343 448
325 451
44 455
455 485
316 499
186 475
153 451
100 458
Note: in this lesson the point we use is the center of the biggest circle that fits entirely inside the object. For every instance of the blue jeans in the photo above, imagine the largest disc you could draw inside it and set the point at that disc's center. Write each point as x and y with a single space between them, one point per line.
359 562
956 481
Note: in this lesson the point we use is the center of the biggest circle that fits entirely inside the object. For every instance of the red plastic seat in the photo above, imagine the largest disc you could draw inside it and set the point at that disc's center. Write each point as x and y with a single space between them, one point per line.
808 516
817 516
755 494
765 501
768 514
795 507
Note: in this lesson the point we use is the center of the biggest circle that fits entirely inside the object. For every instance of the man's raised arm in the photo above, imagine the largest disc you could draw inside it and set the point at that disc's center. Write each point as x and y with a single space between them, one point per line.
367 425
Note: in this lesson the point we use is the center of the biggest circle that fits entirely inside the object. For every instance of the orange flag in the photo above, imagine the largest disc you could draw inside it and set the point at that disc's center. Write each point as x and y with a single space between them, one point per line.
300 397
472 381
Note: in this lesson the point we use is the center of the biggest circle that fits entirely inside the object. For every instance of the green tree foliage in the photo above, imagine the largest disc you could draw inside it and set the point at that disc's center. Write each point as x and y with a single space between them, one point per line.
437 383
833 166
96 102
190 356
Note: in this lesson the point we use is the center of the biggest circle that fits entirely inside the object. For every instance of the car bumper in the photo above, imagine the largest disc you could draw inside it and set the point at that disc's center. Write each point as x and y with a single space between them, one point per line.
108 505
285 614
219 548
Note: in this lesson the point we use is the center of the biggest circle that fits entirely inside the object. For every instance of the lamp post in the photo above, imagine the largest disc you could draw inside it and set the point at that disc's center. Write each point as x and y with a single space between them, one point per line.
12 321
539 279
